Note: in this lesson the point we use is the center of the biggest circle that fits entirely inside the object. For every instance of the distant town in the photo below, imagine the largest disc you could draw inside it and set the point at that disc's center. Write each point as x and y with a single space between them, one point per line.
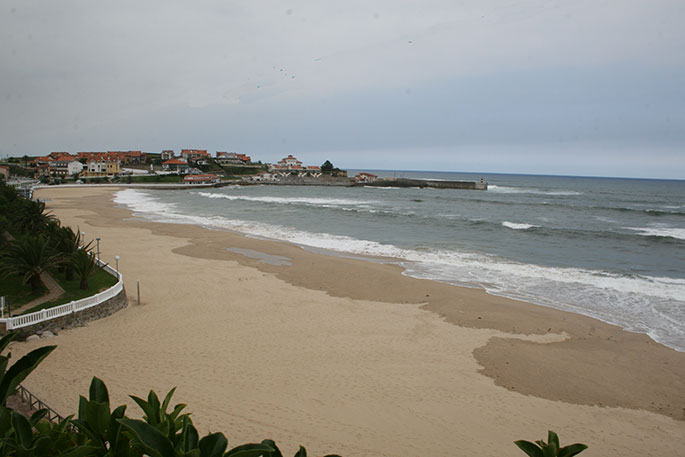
189 167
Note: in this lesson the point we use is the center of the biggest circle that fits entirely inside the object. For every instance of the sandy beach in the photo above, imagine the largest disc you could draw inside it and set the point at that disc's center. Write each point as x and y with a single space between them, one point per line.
348 355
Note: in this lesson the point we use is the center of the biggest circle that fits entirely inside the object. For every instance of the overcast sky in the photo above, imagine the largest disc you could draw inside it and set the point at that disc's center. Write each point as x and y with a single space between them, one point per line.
584 87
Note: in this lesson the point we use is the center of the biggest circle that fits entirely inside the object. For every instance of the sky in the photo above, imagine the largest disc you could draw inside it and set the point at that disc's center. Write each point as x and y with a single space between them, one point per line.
582 87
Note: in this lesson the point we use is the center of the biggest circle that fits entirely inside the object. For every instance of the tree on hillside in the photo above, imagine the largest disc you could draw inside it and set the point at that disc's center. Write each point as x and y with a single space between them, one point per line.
28 257
68 242
327 167
84 264
32 217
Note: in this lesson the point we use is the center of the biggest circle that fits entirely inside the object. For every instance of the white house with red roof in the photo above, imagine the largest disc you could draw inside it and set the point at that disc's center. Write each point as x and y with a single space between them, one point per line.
365 177
199 156
177 165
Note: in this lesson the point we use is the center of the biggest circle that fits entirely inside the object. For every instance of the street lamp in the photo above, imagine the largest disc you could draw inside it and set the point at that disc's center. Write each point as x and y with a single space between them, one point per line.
116 259
98 246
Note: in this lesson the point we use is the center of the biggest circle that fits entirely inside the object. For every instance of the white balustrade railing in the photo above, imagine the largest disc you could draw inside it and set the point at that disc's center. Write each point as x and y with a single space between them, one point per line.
68 308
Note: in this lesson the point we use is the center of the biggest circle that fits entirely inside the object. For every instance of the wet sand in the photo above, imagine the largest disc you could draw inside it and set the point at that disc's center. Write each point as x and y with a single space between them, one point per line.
350 356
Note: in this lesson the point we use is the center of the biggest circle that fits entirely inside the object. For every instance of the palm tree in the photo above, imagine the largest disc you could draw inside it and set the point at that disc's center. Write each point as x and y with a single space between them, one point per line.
29 256
84 264
32 217
67 243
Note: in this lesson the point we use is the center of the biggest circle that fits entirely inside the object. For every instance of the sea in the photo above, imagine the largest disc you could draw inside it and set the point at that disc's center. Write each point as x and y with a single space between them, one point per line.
609 248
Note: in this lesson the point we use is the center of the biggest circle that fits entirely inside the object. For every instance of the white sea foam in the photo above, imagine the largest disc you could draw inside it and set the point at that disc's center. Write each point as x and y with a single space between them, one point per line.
669 232
516 226
652 305
524 190
140 202
314 201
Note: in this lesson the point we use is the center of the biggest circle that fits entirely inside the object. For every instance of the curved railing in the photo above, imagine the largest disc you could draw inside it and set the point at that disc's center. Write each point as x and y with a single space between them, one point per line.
72 307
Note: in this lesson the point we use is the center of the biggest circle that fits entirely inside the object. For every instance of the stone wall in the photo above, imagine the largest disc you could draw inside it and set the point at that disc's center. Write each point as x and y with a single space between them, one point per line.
78 318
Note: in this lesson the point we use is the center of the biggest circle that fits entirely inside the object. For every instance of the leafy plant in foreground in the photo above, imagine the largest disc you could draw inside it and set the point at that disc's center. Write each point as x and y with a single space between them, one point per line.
12 377
551 448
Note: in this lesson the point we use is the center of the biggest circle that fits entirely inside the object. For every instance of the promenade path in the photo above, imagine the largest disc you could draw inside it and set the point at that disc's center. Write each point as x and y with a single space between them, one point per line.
54 291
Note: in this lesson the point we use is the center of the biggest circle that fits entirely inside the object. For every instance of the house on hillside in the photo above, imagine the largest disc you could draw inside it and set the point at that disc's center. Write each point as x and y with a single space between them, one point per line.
313 171
365 177
263 177
57 164
287 163
195 156
177 165
232 159
101 164
130 157
201 179
167 154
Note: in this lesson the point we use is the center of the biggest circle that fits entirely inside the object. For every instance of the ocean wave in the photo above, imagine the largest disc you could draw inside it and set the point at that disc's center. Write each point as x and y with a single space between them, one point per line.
525 190
660 232
516 226
652 305
140 202
313 201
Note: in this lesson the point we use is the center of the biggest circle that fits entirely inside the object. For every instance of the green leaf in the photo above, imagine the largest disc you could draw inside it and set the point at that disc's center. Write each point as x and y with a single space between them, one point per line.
98 391
552 438
148 411
153 400
37 416
22 429
572 449
250 450
167 399
271 443
5 420
149 437
549 450
82 403
190 436
98 417
5 340
213 445
529 448
81 451
301 453
20 370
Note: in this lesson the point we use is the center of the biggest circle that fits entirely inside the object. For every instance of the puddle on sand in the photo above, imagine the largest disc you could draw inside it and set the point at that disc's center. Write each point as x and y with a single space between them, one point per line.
263 257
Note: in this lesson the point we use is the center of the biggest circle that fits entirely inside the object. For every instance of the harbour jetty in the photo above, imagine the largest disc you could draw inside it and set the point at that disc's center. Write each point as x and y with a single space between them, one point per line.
421 183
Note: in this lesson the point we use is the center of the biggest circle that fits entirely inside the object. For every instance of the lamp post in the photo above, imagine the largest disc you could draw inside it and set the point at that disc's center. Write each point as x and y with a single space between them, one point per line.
116 259
97 239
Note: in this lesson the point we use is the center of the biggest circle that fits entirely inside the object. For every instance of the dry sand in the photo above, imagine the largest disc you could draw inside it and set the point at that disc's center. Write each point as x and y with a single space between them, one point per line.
349 356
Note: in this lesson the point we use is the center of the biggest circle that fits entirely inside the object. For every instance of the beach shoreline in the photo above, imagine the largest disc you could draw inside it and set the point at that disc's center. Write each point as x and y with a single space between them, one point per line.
518 355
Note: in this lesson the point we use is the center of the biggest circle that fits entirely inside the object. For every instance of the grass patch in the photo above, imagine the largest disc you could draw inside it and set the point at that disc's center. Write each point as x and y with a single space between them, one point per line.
98 281
176 179
16 293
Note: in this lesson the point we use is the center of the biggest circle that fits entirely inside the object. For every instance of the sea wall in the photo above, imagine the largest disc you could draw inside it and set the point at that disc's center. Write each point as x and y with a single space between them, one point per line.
79 318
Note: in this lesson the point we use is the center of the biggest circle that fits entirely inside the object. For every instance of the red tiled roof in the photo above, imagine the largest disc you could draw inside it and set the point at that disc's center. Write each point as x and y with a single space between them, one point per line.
202 152
175 162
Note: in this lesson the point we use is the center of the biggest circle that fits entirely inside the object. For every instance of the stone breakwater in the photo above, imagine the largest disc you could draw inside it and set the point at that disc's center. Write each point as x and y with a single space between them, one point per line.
421 183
